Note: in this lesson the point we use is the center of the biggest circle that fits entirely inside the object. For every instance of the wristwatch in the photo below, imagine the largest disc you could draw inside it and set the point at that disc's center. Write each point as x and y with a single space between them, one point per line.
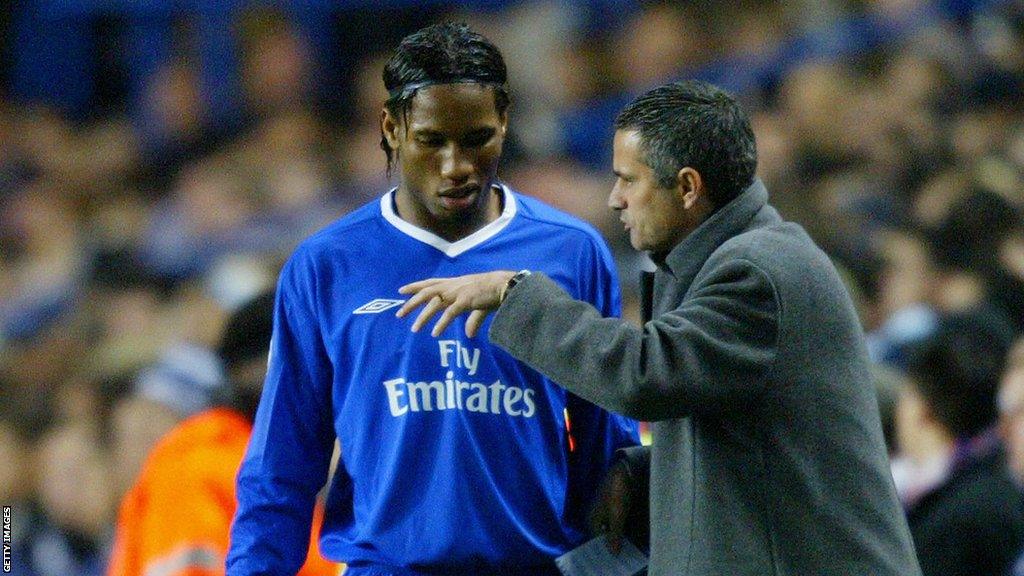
515 279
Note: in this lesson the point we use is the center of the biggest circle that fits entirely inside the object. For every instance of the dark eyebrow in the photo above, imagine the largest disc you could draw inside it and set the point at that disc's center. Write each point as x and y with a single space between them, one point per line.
426 132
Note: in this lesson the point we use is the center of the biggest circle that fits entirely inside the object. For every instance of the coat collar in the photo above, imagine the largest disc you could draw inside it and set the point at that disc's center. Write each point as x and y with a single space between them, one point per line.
686 258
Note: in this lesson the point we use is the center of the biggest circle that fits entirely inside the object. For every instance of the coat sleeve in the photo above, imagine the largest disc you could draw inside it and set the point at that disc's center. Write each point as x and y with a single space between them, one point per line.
289 453
710 354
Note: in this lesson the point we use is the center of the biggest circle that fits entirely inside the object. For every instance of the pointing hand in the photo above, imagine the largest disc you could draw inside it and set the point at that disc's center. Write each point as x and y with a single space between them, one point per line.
478 294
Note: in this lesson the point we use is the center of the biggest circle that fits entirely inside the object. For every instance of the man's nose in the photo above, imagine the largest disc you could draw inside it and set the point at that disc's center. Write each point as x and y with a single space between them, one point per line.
456 165
615 199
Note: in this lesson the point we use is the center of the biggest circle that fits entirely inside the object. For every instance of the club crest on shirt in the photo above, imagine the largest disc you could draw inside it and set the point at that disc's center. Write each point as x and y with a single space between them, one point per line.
377 305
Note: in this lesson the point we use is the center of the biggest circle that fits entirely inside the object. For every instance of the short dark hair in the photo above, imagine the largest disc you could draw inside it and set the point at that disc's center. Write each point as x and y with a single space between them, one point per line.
440 54
957 369
248 331
693 123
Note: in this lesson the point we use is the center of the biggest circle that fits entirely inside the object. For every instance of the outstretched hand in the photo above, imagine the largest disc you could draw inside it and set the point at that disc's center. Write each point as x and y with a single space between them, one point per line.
478 294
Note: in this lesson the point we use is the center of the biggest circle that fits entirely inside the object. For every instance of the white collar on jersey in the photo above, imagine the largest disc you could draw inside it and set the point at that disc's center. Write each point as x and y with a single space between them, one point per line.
451 249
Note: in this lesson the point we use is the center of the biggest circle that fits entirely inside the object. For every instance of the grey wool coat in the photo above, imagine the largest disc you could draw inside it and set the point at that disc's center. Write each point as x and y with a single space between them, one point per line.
767 455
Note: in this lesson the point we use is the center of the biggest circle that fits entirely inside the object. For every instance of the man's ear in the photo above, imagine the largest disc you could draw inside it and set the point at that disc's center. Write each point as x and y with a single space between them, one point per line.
690 187
504 121
389 127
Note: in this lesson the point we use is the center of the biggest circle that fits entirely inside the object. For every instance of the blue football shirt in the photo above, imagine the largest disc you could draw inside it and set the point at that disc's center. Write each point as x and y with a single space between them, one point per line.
455 457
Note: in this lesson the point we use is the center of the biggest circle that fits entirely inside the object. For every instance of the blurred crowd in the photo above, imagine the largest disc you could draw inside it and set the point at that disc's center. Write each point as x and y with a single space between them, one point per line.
893 130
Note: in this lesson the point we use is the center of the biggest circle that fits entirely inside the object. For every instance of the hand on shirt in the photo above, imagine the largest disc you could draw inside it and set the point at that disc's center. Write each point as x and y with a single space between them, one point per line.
612 508
478 294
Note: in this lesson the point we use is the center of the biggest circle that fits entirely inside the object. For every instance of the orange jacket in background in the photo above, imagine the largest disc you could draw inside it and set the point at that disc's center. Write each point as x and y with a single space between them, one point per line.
176 519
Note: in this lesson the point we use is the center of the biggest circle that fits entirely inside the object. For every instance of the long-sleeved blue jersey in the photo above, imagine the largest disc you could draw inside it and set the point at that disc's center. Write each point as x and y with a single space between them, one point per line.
455 457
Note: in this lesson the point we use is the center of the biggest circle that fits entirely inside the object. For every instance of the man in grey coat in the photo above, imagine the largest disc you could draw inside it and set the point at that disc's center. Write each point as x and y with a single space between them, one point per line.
767 454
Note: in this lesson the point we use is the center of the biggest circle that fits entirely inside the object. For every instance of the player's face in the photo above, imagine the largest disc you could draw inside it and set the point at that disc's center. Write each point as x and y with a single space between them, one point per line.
448 147
655 217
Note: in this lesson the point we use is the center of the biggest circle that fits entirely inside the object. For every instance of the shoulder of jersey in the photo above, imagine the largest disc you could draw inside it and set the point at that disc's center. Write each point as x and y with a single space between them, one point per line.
542 213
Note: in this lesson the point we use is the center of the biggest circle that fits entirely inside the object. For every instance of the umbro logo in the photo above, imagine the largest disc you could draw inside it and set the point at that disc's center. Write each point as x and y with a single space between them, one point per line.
377 306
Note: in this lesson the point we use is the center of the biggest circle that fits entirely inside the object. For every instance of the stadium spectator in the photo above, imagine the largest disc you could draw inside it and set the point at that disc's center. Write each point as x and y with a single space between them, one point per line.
1011 423
753 369
965 514
15 489
176 518
902 314
455 458
75 501
180 384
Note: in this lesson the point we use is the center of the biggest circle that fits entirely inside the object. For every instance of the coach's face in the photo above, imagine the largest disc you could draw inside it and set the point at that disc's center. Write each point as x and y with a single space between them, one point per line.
657 218
448 148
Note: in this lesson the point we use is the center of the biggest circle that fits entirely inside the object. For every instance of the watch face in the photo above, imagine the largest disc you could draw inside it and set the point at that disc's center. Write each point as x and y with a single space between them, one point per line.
512 282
